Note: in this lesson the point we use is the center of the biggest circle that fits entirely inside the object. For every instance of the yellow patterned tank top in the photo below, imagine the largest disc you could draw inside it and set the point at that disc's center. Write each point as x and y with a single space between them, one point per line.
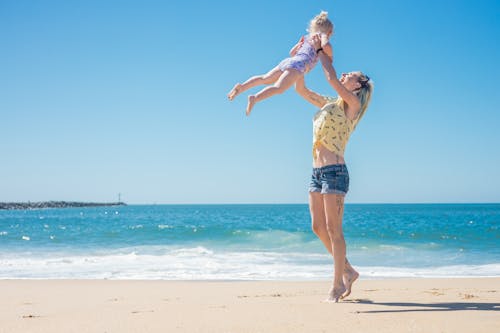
331 127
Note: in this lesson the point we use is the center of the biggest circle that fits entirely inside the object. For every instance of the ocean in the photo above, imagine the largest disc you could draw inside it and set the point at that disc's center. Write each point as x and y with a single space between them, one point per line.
247 242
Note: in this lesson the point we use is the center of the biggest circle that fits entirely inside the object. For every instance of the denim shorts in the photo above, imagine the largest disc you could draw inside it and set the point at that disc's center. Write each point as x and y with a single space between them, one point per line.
330 179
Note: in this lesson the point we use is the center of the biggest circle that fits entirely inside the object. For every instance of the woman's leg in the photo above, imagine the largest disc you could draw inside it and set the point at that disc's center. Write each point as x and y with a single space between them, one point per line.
318 218
285 81
270 77
334 210
350 275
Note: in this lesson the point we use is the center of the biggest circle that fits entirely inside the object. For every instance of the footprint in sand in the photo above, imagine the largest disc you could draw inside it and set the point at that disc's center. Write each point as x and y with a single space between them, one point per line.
467 296
31 316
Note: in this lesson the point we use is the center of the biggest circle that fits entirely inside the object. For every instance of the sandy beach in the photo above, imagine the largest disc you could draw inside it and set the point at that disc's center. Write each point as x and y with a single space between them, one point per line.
399 305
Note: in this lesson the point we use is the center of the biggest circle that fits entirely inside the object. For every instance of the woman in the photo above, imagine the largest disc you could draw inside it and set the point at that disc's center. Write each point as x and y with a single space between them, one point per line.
332 126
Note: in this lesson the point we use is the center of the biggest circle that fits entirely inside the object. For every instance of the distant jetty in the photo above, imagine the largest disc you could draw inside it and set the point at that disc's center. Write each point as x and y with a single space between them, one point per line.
56 204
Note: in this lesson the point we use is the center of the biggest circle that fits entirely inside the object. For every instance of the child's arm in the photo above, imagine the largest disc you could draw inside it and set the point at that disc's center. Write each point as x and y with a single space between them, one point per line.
309 95
297 46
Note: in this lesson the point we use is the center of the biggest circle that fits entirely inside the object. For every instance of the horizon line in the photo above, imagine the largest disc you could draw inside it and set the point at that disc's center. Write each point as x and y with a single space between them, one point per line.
306 203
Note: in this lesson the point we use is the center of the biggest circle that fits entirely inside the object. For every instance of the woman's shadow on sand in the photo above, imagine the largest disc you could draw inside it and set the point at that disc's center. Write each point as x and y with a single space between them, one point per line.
423 307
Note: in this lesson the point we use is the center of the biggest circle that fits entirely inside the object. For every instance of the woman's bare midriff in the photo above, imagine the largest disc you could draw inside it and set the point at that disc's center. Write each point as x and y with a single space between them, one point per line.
325 157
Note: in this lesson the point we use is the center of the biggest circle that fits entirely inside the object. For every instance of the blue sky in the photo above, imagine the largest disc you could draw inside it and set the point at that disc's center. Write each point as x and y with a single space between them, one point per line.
105 97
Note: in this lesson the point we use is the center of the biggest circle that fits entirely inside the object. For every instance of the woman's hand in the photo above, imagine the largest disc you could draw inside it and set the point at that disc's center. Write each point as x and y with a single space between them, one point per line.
316 41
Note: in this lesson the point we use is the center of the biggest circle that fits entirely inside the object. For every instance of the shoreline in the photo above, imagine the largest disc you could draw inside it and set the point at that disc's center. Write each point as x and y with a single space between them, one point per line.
224 280
386 305
132 267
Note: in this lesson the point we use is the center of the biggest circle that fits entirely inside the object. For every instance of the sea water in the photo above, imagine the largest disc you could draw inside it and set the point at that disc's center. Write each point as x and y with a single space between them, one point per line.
247 242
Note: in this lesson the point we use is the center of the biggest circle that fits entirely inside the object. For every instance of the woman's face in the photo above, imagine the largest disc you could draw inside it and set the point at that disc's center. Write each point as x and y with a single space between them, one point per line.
350 80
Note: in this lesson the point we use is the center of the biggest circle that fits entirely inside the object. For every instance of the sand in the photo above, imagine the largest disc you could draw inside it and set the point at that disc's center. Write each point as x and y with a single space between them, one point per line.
399 305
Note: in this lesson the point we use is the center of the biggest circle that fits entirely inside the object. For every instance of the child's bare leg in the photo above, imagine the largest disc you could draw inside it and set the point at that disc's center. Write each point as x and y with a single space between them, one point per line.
250 104
284 82
270 77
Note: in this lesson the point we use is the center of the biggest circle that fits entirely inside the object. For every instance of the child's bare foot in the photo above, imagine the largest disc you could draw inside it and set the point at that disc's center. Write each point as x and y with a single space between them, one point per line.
251 103
234 92
349 277
335 294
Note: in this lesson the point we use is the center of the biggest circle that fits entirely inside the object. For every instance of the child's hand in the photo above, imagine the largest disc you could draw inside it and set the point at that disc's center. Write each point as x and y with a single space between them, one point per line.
300 42
297 46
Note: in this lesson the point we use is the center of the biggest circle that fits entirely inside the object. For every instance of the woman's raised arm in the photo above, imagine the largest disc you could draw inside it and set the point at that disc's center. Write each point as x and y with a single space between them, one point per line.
331 75
309 95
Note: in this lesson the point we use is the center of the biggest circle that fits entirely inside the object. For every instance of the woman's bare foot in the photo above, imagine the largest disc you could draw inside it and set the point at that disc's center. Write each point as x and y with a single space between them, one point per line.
234 92
335 294
251 103
349 277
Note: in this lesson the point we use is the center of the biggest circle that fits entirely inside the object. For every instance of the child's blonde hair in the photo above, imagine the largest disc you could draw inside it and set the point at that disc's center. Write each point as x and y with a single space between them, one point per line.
320 23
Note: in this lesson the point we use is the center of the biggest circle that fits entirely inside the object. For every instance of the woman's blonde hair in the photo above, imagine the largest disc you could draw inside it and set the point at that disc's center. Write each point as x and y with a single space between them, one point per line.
321 23
364 93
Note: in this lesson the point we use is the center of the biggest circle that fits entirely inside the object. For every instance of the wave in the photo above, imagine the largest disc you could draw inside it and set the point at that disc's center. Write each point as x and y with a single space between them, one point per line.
201 263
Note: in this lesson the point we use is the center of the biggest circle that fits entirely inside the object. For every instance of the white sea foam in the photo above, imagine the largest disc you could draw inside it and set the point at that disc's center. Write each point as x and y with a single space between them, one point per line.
138 226
200 263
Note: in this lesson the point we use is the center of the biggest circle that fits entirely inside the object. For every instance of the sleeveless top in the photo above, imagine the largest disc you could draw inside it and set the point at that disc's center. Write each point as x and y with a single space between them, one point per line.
303 61
331 127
